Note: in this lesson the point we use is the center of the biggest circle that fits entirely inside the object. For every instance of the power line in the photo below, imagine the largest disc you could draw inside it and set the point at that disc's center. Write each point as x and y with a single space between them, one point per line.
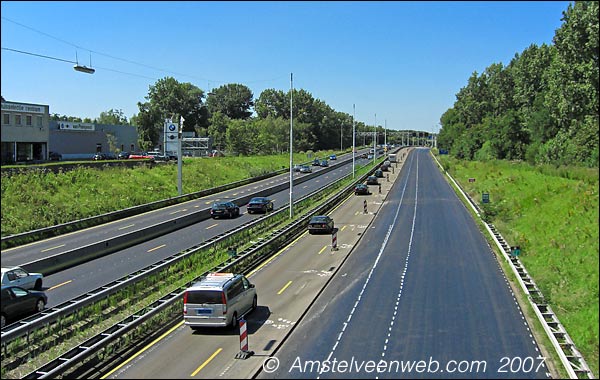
125 60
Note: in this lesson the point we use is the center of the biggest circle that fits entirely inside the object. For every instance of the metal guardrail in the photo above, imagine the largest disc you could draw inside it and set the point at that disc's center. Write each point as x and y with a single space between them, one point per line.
571 358
47 232
253 256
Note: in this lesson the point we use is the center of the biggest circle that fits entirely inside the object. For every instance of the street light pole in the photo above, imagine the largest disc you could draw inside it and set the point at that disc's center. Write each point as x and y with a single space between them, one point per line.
375 140
291 145
385 136
353 137
179 159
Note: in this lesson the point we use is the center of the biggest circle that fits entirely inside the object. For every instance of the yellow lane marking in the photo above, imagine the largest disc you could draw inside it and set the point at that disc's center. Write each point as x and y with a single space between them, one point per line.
207 202
143 349
49 249
61 284
207 361
277 254
155 248
343 228
214 225
322 249
284 288
124 227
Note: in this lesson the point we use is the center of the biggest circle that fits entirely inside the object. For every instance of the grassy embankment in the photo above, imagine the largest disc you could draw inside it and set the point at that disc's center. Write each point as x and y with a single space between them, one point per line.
552 214
35 200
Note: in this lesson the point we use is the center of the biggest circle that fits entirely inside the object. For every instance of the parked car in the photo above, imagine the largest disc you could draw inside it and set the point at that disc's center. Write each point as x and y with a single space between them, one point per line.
172 155
372 180
305 169
54 156
17 276
320 223
140 156
123 155
259 204
158 156
361 189
332 157
221 209
17 302
316 162
98 157
218 300
324 163
379 173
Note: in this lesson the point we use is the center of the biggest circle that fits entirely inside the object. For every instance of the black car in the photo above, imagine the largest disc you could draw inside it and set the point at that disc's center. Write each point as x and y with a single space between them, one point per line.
54 156
320 223
221 209
123 155
379 173
372 180
361 189
259 204
324 163
18 302
316 162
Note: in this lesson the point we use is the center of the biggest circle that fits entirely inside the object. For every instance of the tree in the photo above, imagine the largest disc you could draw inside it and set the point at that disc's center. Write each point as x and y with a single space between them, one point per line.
112 117
168 98
233 100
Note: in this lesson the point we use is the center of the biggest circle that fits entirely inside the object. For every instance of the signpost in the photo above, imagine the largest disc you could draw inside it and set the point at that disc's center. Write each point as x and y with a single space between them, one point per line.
485 197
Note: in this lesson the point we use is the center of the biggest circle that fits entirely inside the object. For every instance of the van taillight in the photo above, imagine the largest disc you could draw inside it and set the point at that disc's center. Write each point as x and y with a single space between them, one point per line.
224 303
185 303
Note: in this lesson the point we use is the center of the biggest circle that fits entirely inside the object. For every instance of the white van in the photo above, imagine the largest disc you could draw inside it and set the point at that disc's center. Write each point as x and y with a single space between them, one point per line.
392 157
218 300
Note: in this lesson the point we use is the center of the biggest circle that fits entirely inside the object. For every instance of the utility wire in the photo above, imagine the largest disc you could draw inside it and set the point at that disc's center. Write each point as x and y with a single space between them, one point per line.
125 60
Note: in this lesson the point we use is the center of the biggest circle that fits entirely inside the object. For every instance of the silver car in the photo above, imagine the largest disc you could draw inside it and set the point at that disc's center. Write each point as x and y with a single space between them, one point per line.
218 300
17 276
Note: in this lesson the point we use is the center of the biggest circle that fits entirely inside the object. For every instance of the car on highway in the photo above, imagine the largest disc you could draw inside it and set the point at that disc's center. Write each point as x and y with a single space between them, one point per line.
361 189
378 173
332 157
17 276
305 169
222 209
297 167
320 223
364 155
218 300
17 302
316 162
259 204
372 180
324 163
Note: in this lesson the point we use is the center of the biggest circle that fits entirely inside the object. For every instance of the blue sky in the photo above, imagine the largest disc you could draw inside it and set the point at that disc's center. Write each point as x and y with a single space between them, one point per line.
401 63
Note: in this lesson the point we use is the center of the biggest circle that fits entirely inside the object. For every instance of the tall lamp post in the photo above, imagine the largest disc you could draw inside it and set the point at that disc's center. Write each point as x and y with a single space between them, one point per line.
179 158
353 137
375 140
291 145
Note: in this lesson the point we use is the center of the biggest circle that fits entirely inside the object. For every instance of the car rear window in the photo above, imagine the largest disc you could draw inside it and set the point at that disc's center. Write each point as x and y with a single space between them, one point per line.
205 296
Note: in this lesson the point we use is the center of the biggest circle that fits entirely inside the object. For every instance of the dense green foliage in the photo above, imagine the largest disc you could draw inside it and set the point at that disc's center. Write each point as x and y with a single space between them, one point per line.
542 107
38 199
552 214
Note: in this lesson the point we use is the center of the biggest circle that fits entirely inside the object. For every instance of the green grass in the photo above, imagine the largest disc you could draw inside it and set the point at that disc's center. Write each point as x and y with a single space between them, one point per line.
552 213
40 199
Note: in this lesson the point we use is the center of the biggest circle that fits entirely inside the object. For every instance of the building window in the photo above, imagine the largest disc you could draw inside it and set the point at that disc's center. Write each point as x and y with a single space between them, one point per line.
6 119
28 121
18 120
40 121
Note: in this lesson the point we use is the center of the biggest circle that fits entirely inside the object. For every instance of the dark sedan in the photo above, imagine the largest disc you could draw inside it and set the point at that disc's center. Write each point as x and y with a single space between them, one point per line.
320 223
18 302
222 209
361 189
372 180
259 204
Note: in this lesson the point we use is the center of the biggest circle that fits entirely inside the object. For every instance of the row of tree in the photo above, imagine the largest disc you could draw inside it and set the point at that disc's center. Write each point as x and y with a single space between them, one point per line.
542 107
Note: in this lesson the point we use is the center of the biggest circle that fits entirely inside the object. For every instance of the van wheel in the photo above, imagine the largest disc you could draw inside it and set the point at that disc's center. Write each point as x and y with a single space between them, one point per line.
234 321
38 285
39 305
3 320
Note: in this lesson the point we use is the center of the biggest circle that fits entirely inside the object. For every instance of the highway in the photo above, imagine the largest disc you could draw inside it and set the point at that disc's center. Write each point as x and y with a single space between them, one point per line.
413 280
73 282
